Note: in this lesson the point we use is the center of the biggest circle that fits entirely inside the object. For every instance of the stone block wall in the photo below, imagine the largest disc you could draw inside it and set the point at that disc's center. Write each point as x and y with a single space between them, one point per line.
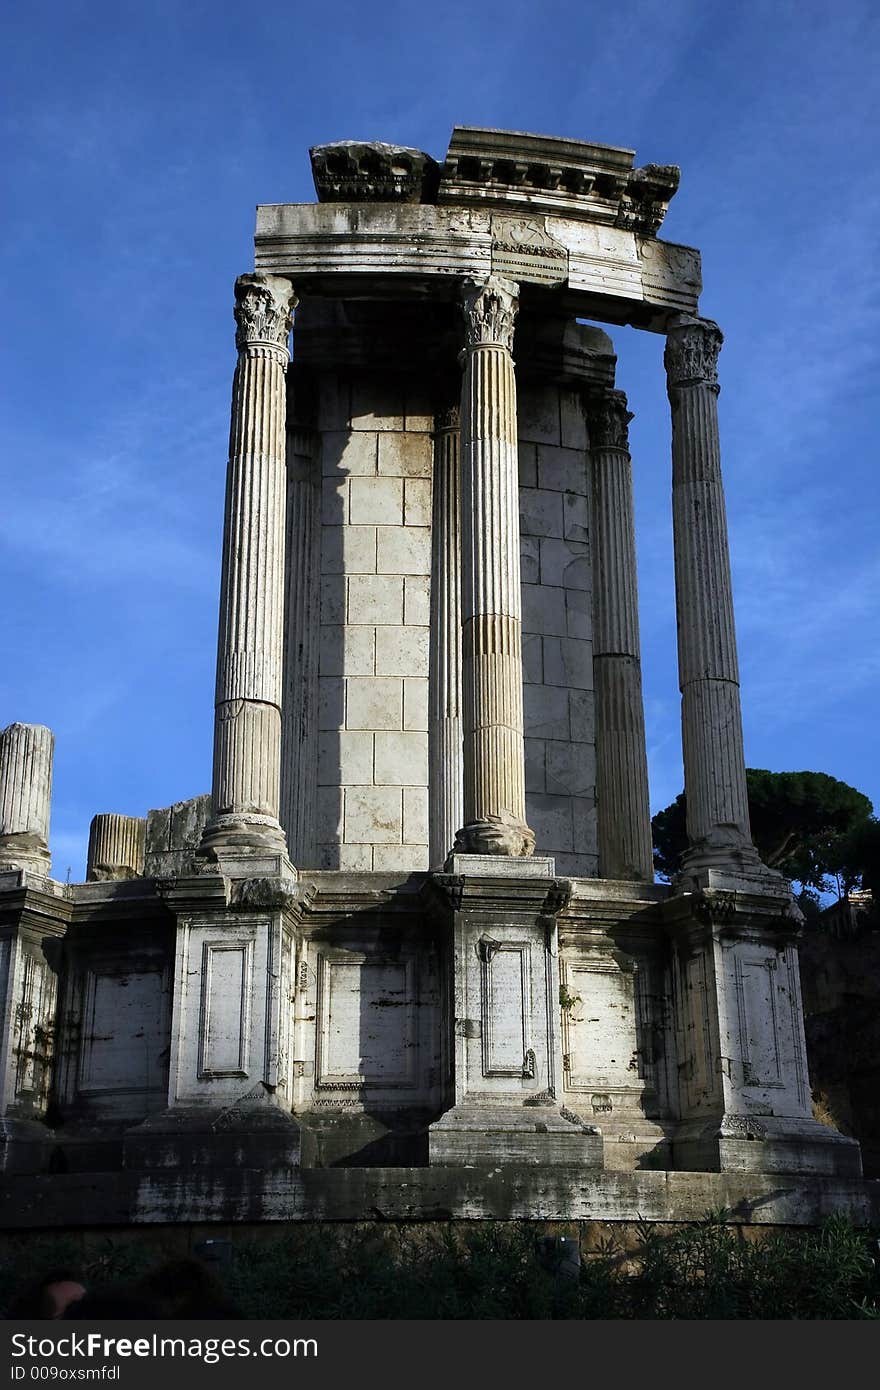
557 646
375 452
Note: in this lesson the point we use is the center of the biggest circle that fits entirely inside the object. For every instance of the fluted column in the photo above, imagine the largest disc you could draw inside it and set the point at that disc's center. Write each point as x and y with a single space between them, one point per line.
446 775
116 848
299 771
494 758
25 796
711 719
247 729
624 817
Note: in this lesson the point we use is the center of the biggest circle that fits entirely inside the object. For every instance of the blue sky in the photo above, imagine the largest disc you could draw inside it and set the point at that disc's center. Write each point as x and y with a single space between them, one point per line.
138 139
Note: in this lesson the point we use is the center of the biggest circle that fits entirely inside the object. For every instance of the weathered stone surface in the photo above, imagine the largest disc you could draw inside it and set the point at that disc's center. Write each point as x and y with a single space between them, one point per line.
719 835
247 742
418 618
25 796
624 817
543 173
353 171
494 755
116 848
173 835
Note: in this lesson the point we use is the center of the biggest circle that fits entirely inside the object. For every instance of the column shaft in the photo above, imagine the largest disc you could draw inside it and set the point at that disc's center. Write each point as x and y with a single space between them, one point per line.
446 774
25 796
712 739
624 817
116 848
299 771
494 757
247 731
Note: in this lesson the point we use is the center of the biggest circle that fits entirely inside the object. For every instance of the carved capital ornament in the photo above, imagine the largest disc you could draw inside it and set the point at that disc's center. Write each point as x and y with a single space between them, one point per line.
692 348
608 420
449 419
264 306
490 312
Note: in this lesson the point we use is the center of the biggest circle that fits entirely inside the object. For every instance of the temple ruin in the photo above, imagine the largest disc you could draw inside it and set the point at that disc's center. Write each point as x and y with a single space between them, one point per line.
409 956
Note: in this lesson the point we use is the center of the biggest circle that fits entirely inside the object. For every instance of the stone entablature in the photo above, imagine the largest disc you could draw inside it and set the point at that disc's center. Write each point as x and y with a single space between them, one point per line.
541 173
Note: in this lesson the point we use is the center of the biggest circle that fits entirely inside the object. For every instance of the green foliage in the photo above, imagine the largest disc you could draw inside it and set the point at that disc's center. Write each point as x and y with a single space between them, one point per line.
492 1271
813 828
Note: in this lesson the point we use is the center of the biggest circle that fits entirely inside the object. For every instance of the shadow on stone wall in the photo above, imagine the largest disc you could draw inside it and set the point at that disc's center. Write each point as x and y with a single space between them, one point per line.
840 980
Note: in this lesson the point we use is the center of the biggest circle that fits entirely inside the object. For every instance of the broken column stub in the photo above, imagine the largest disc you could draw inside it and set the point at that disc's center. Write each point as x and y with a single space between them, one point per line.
504 1029
230 1082
744 1090
25 797
116 848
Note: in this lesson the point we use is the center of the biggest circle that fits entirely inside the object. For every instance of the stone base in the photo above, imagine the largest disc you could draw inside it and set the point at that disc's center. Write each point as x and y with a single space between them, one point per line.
502 1134
228 837
501 866
530 1192
25 1145
248 1134
765 1144
633 1142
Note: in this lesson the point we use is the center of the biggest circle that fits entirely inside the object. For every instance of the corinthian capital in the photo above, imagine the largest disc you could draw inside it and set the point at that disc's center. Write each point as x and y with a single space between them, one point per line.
608 419
264 306
692 348
490 312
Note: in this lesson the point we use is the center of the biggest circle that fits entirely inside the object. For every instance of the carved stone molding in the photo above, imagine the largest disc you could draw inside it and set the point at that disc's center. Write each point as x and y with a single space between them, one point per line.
692 348
449 419
608 420
264 306
370 171
490 312
502 834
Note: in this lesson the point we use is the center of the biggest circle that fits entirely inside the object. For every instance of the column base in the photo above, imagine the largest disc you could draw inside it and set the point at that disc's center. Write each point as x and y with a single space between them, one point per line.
26 852
720 862
500 865
472 1133
764 1144
244 833
503 836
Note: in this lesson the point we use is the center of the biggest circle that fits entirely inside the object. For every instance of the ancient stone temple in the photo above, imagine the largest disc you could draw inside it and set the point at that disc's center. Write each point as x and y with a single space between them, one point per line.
409 957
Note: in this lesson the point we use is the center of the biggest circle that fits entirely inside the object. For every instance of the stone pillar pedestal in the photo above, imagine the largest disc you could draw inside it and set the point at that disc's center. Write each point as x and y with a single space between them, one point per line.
504 1021
446 773
34 913
247 731
494 752
744 1092
711 719
25 797
230 1084
624 817
116 848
